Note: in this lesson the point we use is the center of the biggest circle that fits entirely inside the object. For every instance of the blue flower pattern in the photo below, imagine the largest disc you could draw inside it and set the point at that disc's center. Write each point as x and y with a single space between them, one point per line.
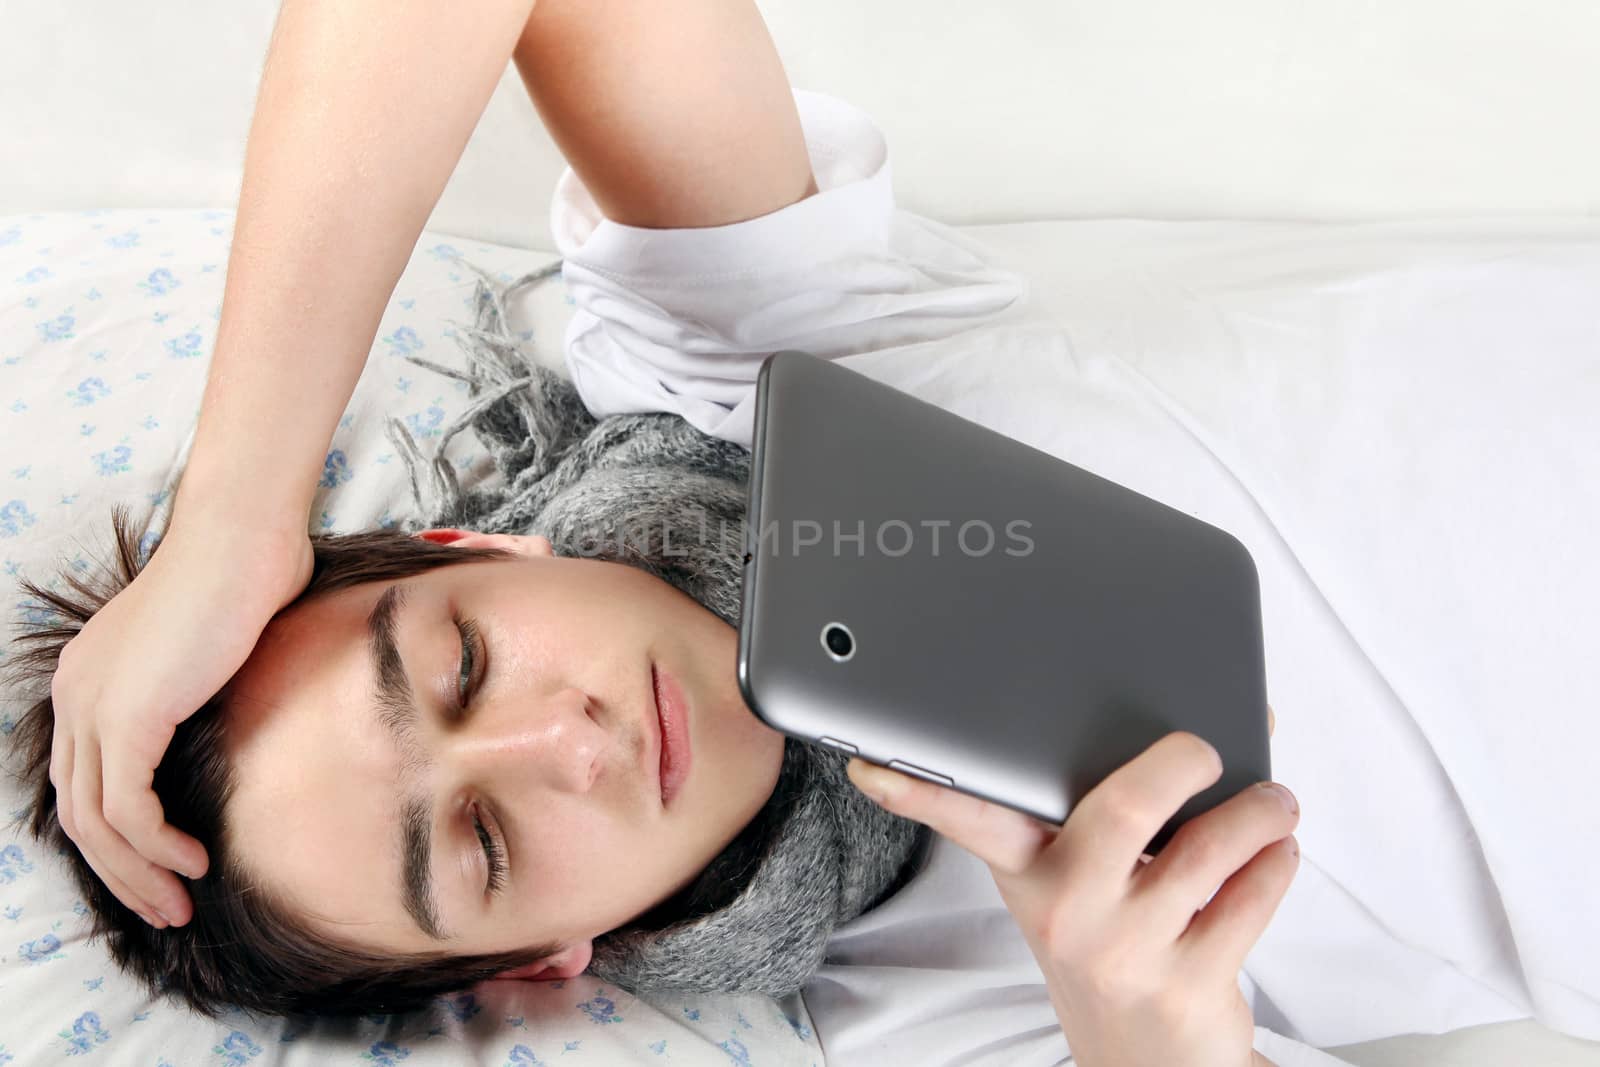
403 341
335 470
47 947
236 1049
737 1051
385 1054
188 346
88 391
160 282
426 423
59 328
113 460
461 1006
14 517
601 1009
13 864
104 346
85 1033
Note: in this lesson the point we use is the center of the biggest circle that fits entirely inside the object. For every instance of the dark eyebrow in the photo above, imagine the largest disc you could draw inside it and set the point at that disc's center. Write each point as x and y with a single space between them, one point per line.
397 710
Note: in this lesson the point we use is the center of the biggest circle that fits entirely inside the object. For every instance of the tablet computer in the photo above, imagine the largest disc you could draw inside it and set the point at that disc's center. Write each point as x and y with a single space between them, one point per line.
941 599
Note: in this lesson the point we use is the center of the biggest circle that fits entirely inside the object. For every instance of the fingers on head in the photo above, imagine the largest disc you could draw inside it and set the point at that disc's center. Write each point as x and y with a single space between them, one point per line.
119 889
134 811
140 884
61 779
61 746
152 891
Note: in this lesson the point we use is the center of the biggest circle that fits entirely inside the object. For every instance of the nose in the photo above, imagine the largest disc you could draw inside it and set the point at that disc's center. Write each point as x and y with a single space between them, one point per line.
553 741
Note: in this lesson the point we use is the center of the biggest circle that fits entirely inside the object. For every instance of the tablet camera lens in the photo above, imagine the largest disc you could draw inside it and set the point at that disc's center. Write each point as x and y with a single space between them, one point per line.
837 640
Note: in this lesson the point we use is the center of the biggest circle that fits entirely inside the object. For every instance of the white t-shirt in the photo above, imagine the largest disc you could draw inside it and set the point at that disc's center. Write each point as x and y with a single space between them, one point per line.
939 973
679 321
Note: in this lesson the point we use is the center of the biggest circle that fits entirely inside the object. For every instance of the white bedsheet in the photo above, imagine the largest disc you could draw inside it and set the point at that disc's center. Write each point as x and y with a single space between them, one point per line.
1398 420
1395 418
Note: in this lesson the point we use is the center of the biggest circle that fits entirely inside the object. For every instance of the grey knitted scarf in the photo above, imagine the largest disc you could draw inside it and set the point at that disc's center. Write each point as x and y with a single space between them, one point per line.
818 854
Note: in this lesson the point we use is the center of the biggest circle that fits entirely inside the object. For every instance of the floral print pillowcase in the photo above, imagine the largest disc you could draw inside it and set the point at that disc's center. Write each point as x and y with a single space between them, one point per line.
107 322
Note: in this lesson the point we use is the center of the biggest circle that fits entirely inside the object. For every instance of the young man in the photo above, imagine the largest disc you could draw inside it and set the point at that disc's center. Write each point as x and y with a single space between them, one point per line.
425 774
385 842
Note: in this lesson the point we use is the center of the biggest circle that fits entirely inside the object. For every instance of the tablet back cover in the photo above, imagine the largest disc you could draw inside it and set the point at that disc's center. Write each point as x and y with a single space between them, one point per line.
1020 627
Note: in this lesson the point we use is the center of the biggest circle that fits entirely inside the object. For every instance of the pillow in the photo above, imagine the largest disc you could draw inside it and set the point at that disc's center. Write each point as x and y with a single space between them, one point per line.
107 320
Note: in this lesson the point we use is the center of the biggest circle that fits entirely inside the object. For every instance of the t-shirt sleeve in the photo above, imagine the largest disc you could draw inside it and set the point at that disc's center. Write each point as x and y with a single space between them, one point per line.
680 320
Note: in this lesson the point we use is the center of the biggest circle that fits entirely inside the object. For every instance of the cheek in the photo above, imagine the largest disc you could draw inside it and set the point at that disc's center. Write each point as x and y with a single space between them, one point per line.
732 728
747 751
581 859
550 636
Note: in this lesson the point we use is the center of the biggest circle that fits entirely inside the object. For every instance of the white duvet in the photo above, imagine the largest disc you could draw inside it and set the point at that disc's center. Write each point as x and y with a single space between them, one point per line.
1396 419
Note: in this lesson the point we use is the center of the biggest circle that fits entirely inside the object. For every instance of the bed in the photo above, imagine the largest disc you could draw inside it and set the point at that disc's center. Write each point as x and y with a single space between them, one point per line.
1213 366
1284 325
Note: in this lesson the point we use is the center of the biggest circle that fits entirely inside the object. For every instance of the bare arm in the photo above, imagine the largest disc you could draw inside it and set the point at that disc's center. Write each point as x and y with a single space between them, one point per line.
363 111
674 114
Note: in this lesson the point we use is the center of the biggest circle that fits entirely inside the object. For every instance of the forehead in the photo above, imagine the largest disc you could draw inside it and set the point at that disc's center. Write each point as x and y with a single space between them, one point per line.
314 771
315 810
313 651
318 646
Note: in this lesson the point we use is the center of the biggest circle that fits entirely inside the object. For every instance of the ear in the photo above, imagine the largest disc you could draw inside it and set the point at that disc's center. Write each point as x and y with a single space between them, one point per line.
568 963
523 545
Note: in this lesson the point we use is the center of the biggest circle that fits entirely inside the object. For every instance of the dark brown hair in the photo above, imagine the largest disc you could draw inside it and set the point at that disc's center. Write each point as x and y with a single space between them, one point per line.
241 948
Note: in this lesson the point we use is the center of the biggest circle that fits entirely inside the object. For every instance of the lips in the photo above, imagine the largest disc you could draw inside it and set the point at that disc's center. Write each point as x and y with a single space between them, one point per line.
660 735
672 719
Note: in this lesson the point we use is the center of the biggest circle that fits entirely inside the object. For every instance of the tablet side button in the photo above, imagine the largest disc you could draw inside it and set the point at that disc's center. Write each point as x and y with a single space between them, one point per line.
843 746
917 772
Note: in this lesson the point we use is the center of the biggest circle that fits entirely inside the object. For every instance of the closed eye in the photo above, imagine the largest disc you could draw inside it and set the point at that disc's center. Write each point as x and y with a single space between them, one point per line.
493 854
474 663
472 659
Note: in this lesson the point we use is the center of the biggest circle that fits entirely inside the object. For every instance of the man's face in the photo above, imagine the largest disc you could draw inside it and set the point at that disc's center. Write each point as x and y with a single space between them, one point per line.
554 758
